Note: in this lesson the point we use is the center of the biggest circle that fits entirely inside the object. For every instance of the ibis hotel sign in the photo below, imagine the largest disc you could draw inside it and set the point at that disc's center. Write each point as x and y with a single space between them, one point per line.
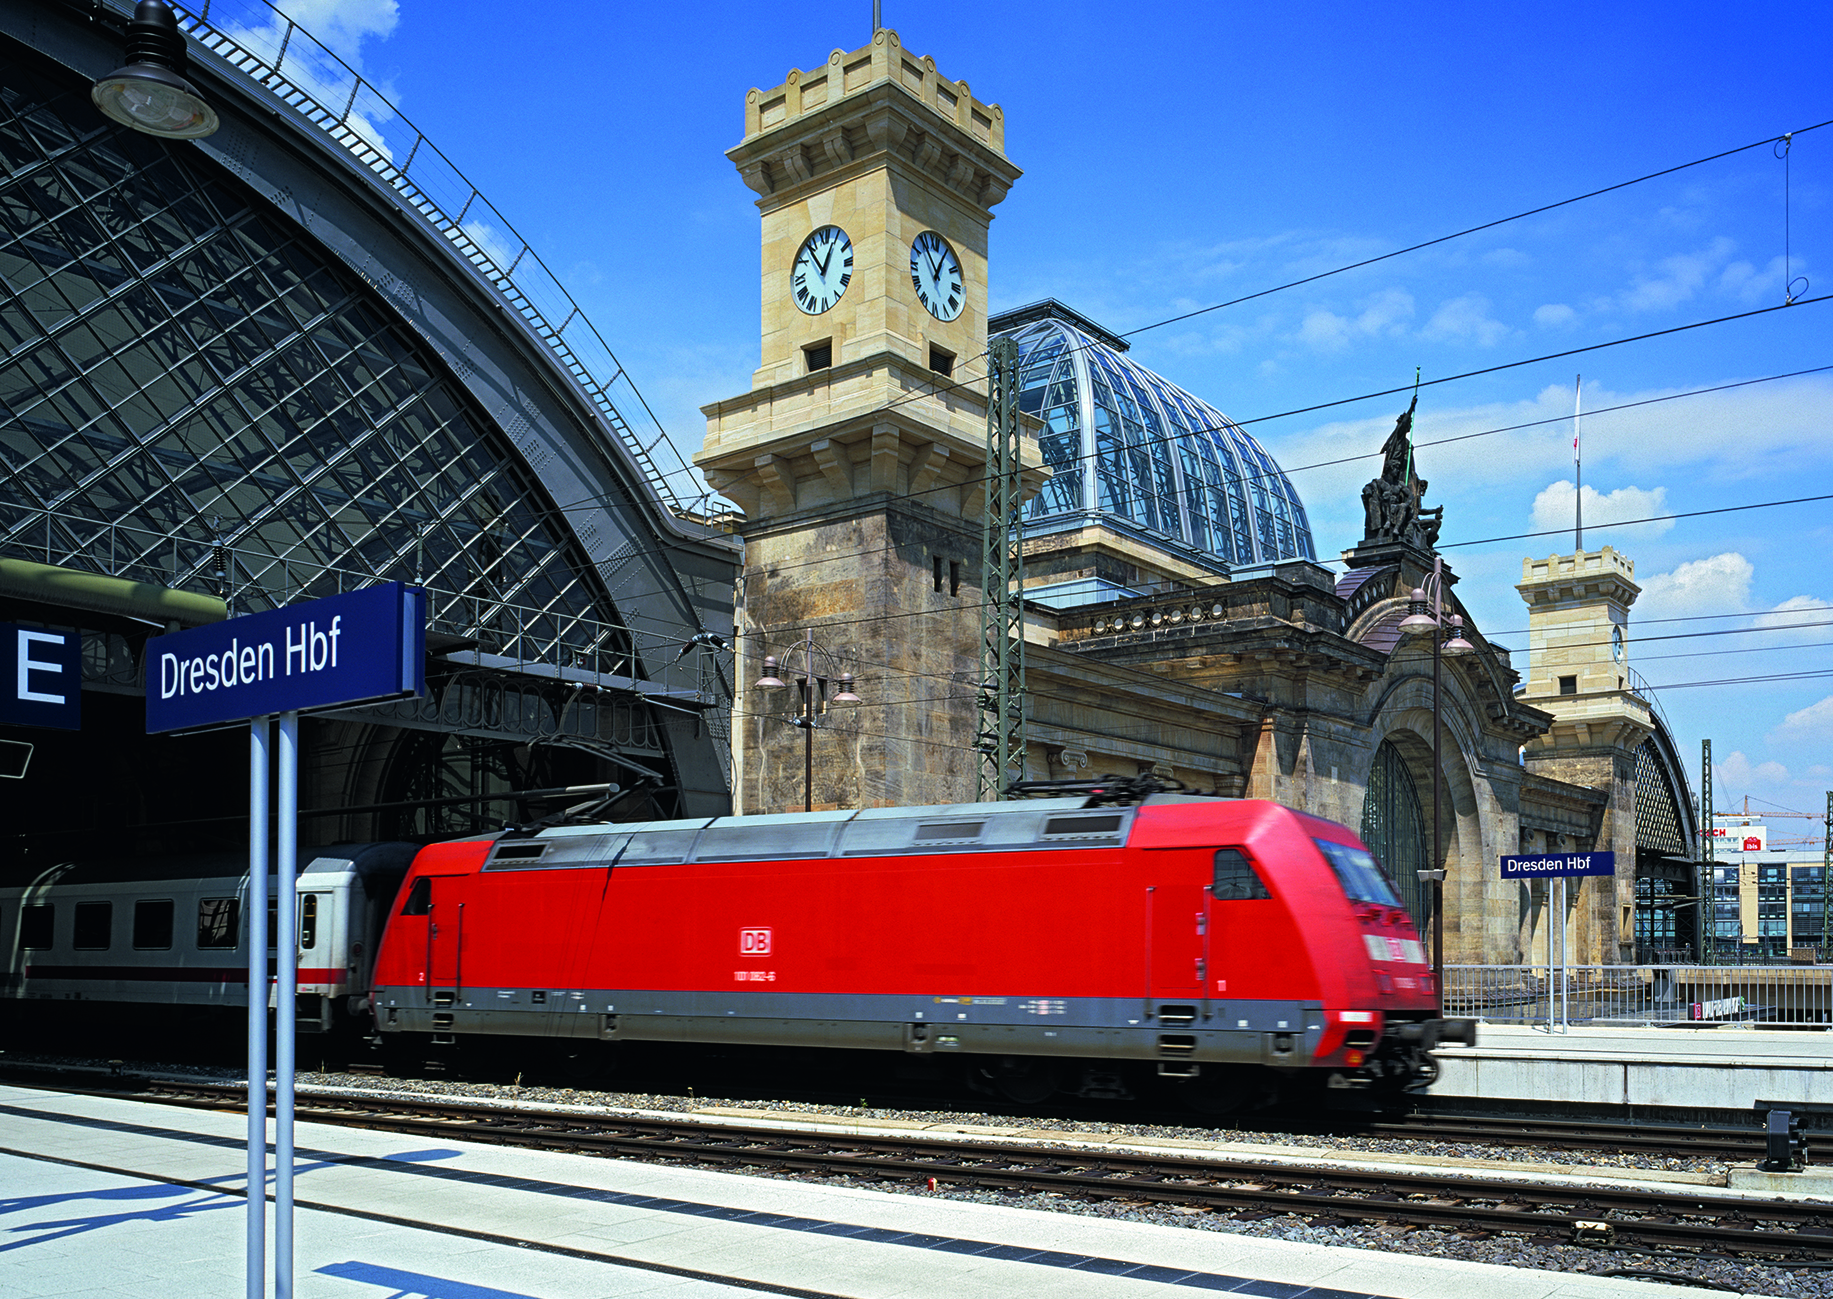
1558 865
344 649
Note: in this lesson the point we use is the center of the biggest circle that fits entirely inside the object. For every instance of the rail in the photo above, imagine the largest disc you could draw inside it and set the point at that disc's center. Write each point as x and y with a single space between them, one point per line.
263 44
1792 996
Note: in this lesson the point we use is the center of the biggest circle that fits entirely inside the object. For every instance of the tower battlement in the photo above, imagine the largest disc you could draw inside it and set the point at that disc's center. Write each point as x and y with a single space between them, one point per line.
848 73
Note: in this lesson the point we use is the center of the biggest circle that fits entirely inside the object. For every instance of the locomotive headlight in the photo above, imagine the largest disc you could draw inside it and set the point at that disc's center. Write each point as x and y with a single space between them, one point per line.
1353 1058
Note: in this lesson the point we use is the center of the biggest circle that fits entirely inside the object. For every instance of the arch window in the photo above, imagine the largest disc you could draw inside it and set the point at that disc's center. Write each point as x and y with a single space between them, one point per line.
1394 829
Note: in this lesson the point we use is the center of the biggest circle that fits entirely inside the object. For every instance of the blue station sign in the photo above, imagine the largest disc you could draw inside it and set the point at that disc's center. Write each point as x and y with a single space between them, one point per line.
41 677
1558 865
344 649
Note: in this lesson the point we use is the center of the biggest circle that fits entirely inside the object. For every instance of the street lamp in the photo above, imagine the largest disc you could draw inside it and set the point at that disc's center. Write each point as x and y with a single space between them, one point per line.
150 93
813 685
1447 639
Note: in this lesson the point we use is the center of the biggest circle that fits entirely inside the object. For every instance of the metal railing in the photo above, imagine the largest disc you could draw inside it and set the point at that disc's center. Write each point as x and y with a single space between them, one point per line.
258 41
1627 995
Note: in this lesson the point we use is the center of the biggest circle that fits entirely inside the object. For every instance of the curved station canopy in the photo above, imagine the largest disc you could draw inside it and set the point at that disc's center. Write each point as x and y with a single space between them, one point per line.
303 355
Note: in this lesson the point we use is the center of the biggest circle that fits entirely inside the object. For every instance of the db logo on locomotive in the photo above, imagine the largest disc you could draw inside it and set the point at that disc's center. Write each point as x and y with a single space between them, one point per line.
754 942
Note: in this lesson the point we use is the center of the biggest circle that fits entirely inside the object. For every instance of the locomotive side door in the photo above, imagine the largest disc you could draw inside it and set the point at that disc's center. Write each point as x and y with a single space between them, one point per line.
434 897
1177 920
445 938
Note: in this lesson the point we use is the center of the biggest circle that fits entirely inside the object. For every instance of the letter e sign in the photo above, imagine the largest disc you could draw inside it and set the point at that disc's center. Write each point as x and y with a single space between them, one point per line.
754 942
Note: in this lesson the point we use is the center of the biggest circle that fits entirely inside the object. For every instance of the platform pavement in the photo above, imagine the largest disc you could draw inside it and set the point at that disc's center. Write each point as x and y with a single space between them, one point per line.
1725 1067
108 1197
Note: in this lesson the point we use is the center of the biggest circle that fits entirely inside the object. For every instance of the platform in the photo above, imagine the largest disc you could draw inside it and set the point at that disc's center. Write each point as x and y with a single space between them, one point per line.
1729 1067
108 1197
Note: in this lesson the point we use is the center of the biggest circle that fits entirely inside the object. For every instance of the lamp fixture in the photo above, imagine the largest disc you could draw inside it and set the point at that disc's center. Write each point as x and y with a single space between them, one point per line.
150 93
1417 619
1456 644
770 680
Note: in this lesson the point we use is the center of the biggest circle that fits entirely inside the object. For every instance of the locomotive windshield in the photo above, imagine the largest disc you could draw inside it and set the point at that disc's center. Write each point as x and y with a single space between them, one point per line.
1359 873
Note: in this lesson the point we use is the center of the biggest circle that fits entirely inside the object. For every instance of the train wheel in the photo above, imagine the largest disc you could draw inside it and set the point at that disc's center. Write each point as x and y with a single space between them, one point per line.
1217 1092
1024 1080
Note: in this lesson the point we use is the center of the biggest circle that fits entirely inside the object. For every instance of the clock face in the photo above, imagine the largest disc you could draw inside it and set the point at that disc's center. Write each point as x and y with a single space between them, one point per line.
1616 643
936 272
822 270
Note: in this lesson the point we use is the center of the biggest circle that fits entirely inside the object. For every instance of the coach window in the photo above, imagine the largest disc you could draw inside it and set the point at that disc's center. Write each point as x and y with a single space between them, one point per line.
273 922
217 922
419 898
308 921
94 920
35 925
153 924
1236 879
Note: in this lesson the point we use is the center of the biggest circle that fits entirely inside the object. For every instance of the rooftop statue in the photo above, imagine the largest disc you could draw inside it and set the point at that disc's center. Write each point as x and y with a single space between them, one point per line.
1391 504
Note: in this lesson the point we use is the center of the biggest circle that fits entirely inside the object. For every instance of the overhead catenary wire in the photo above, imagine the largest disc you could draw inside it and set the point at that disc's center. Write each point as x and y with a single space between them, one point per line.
1758 505
1429 243
1259 476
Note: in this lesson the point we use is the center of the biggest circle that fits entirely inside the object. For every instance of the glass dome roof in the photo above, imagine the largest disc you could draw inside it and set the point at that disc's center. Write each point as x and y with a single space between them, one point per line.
1129 449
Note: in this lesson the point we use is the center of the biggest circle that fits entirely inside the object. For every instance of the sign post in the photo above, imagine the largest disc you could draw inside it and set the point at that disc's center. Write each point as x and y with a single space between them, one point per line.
1559 867
346 649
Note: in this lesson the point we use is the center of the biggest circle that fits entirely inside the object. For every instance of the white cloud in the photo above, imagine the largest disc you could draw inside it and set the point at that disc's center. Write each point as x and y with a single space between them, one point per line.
1749 285
1796 612
344 25
1553 507
1507 258
1384 314
320 54
1815 721
1719 584
1554 315
1680 278
491 241
1737 772
1466 319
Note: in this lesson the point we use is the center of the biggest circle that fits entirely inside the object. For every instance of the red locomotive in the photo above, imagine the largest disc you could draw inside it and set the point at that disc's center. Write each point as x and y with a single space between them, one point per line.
1080 943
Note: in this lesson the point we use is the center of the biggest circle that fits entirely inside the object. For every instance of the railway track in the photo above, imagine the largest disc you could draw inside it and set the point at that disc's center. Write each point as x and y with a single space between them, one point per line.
1564 1134
1678 1219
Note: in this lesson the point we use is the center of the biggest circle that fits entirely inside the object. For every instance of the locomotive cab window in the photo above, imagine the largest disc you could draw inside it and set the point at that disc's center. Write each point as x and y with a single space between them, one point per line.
217 922
1236 880
94 921
153 924
419 898
35 925
1358 872
308 921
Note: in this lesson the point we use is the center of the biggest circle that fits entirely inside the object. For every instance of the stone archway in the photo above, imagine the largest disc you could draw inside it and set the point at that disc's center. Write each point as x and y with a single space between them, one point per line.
1403 721
1394 827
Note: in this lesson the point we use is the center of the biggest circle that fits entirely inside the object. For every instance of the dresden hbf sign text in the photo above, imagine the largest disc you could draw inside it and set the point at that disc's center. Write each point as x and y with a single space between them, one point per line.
344 649
1558 865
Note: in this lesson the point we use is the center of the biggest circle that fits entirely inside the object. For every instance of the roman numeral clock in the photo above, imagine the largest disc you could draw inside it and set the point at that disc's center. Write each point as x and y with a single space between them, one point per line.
823 269
936 273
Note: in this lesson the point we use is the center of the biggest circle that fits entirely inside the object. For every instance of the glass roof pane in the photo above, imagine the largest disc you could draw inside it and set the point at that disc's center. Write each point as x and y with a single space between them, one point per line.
1161 458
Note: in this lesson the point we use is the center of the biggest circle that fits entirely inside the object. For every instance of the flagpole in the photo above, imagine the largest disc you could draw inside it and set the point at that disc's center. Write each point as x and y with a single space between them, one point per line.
1578 469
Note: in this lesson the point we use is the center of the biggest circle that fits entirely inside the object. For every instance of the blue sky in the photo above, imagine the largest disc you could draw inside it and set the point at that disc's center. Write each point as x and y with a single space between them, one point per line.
1181 155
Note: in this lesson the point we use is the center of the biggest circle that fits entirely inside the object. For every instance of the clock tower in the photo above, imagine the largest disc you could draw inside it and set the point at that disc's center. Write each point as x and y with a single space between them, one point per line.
857 454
